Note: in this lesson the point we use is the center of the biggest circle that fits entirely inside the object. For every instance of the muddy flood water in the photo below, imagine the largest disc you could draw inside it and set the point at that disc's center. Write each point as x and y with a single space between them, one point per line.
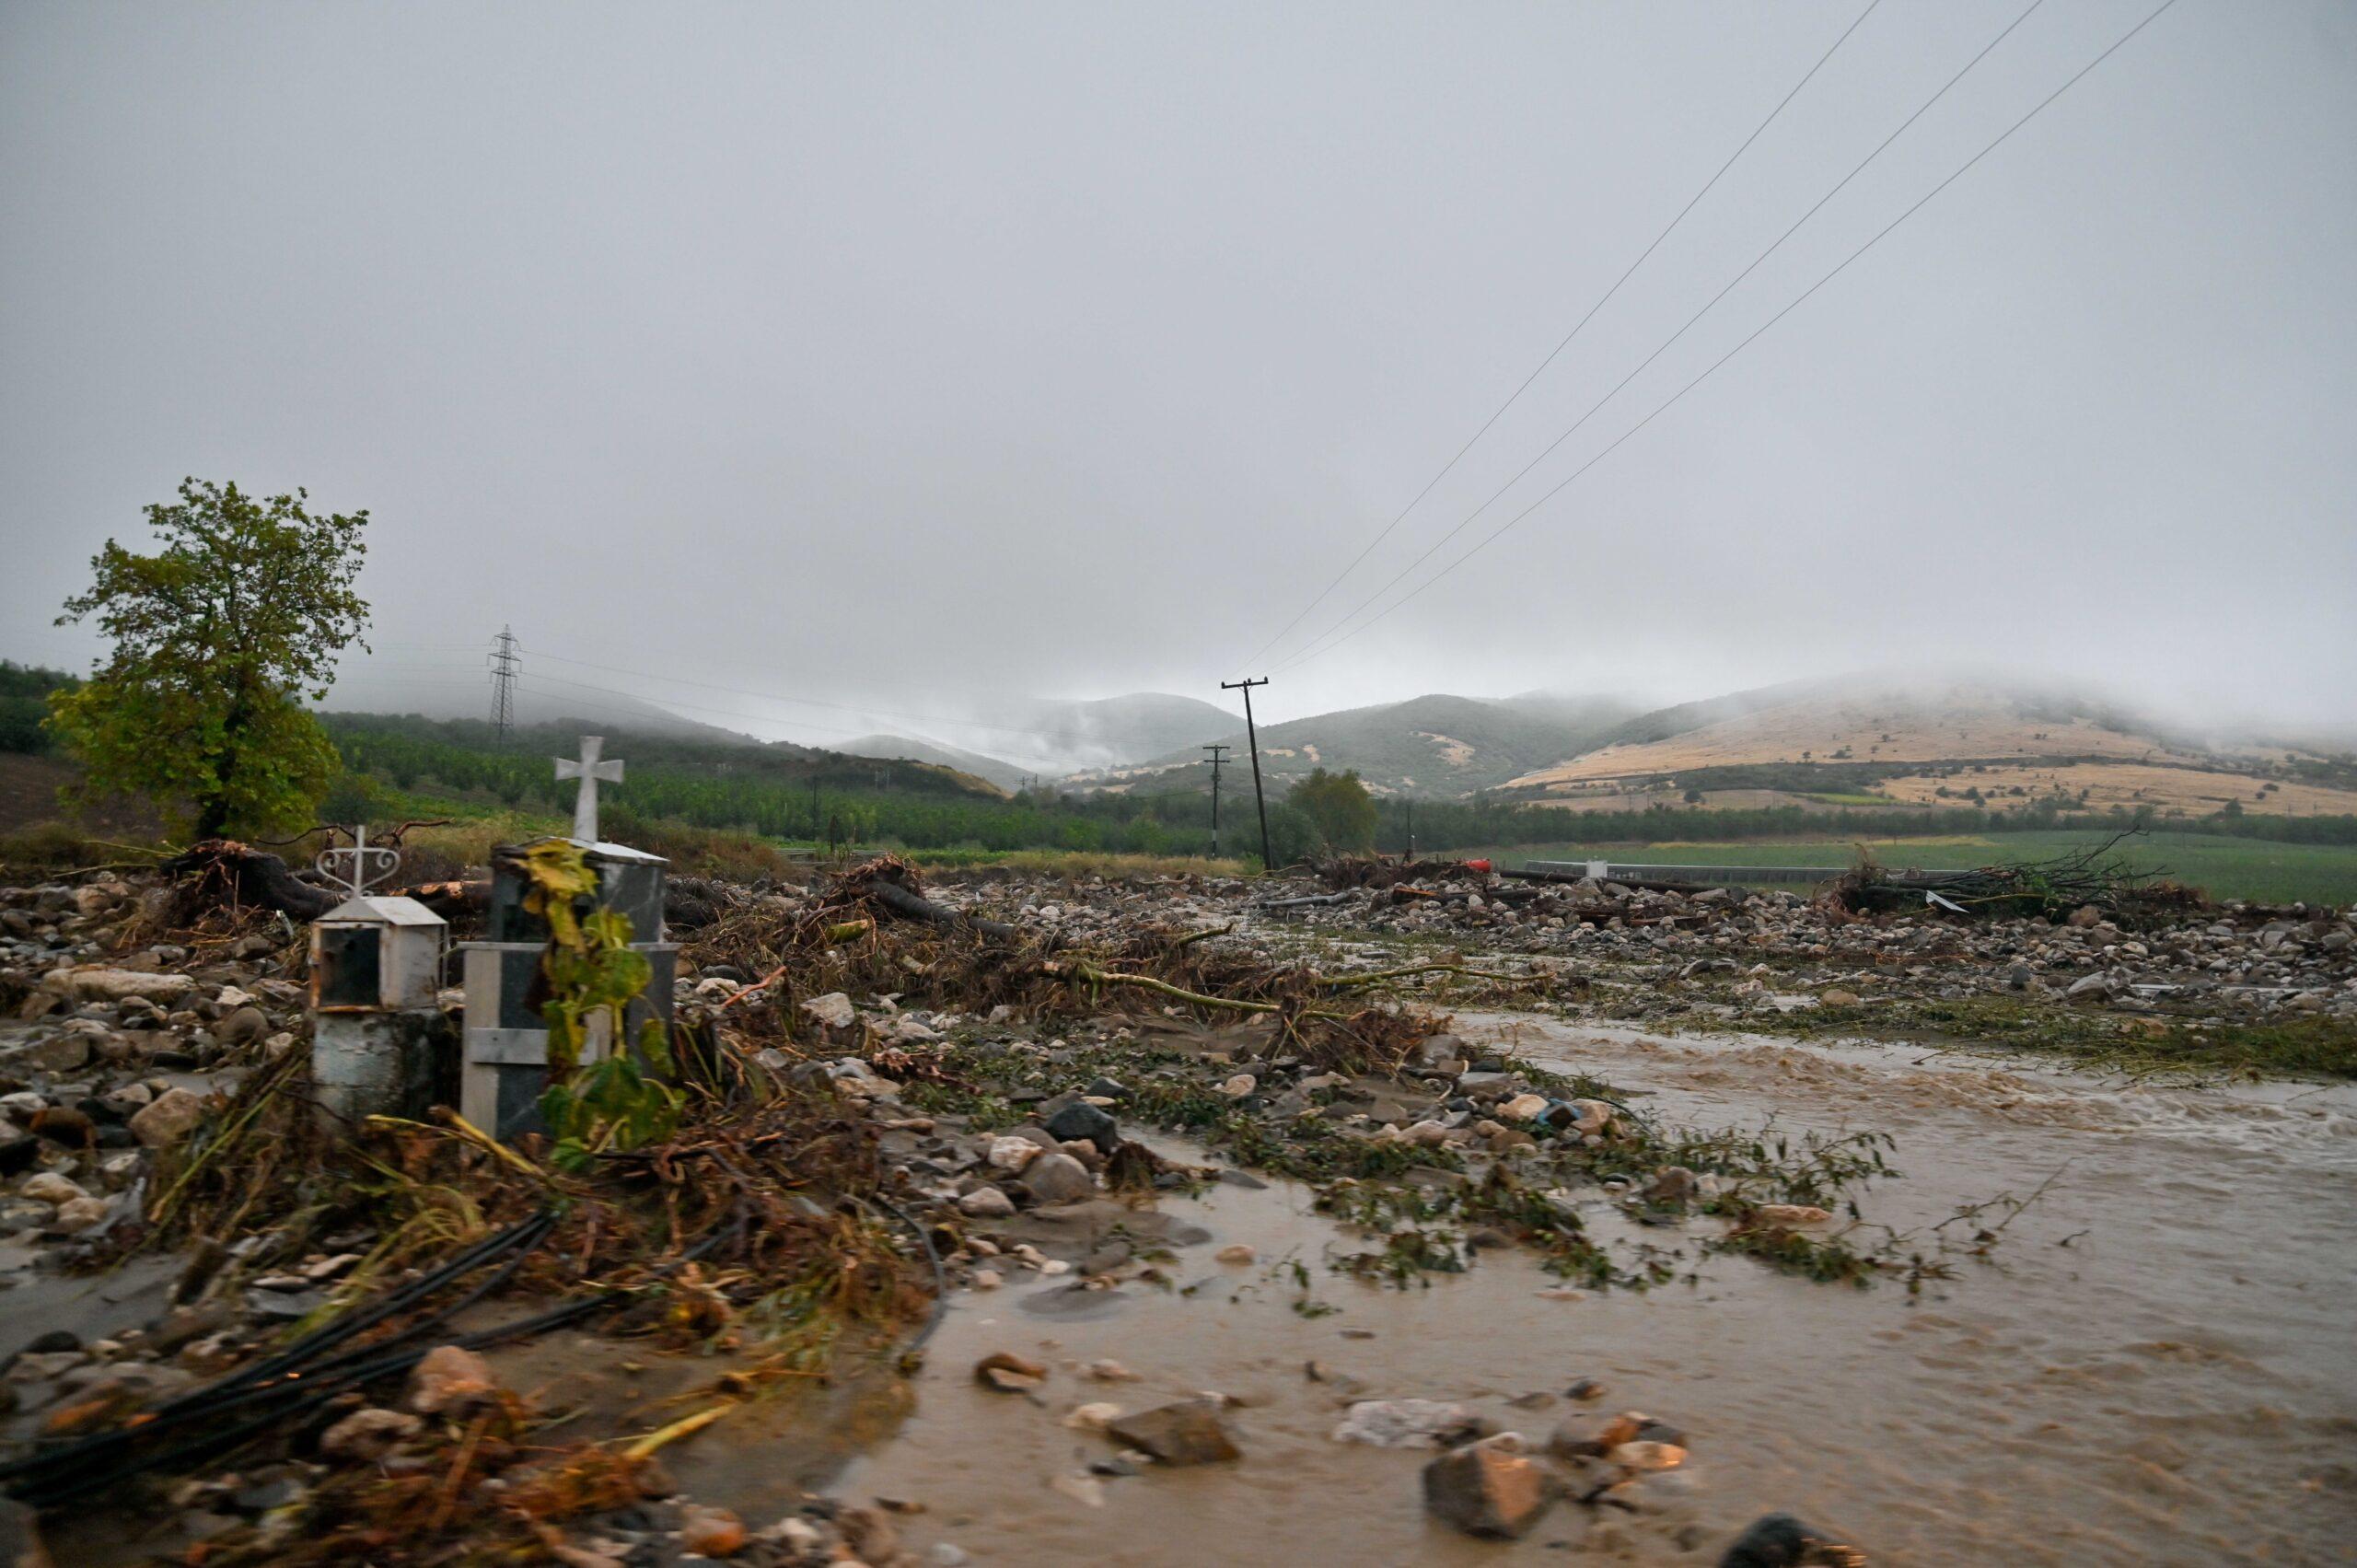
2158 1365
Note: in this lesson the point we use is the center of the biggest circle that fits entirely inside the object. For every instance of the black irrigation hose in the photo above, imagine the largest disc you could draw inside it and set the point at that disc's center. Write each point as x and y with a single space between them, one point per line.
940 1278
290 1398
271 1380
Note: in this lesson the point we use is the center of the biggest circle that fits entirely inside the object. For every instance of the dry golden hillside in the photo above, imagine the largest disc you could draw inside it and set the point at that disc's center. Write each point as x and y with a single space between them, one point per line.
1936 744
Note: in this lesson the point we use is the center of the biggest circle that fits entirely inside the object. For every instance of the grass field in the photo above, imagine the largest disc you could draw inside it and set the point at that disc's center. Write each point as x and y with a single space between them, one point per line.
2226 867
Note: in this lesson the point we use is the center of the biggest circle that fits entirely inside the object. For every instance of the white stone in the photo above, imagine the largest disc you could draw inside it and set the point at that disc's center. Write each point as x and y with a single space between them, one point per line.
833 1010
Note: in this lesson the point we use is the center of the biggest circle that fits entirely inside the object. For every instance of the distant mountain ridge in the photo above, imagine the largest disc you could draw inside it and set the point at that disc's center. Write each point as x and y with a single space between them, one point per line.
1004 774
1437 744
1866 740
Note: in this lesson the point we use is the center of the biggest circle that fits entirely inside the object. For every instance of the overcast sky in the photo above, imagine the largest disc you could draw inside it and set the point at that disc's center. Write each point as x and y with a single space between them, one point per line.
900 354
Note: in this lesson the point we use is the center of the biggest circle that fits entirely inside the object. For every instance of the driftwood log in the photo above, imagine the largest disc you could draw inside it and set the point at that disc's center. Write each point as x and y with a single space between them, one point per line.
917 906
217 872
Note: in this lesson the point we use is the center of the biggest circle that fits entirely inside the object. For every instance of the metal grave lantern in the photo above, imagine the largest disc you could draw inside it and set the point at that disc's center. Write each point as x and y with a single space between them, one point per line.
376 966
504 1050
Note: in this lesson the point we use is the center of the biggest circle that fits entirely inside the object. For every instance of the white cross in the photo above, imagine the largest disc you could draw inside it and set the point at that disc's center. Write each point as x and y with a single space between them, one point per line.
361 858
589 770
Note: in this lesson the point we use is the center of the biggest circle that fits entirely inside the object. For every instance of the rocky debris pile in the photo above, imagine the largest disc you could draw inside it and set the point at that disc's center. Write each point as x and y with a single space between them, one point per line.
1752 949
115 1050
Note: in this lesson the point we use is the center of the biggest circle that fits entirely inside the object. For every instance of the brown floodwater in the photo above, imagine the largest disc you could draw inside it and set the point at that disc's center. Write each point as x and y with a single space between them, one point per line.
2155 1366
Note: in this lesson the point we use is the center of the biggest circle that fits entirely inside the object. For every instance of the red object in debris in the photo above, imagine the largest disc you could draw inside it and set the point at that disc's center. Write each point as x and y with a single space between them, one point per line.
1480 866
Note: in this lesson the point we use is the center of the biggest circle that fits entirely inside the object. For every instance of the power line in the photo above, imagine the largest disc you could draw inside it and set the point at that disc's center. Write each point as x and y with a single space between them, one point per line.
1566 342
1495 534
1548 450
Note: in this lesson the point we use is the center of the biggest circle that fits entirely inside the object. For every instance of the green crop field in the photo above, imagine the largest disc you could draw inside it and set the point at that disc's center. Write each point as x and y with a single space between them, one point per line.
2225 868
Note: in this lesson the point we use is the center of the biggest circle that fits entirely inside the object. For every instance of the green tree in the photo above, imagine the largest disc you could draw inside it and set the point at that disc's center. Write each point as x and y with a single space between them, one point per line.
1338 806
218 638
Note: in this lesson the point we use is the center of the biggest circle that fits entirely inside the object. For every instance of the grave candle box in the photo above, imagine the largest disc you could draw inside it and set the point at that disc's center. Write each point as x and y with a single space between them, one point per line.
376 966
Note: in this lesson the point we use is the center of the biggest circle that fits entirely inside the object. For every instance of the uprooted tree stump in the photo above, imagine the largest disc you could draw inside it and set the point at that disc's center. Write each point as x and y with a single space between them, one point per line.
222 873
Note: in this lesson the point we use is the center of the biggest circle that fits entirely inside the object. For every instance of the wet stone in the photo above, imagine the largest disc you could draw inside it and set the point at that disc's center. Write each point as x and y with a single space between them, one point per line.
1081 1121
1189 1433
1058 1178
1488 1490
1779 1541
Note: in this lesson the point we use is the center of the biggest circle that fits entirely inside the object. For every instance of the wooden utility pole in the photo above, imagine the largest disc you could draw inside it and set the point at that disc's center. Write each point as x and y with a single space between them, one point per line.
1252 740
1219 755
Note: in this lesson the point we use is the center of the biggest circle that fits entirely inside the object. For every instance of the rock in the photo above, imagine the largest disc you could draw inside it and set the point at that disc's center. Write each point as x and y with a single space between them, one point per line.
714 1532
1788 1213
2086 917
168 1119
1011 1153
1407 1423
1189 1433
1590 1117
1834 996
2097 986
1779 1540
1591 1437
242 1026
1486 1489
832 1011
47 1187
1238 1253
19 1152
986 1204
98 984
1239 1086
1671 1184
1083 1122
368 1434
450 1380
1008 1373
1093 1417
1644 1456
1523 1107
66 1125
78 1215
1058 1178
59 1053
871 1536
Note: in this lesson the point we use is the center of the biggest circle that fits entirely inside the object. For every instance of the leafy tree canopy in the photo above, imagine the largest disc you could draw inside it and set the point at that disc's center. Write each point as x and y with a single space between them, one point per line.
218 638
1337 804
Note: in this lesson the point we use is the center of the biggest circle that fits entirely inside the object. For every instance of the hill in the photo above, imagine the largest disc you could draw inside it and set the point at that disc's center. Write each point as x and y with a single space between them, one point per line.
374 692
1877 743
1005 775
467 755
1436 746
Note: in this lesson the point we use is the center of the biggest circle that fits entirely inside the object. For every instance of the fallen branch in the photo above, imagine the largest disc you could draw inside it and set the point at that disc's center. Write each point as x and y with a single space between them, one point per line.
1091 975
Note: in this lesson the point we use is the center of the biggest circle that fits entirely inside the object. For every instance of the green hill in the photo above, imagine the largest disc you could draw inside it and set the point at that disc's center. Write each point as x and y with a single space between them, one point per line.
1436 745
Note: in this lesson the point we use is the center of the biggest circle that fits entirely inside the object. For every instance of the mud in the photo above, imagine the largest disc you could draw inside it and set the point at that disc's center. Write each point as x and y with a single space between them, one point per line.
2151 1365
